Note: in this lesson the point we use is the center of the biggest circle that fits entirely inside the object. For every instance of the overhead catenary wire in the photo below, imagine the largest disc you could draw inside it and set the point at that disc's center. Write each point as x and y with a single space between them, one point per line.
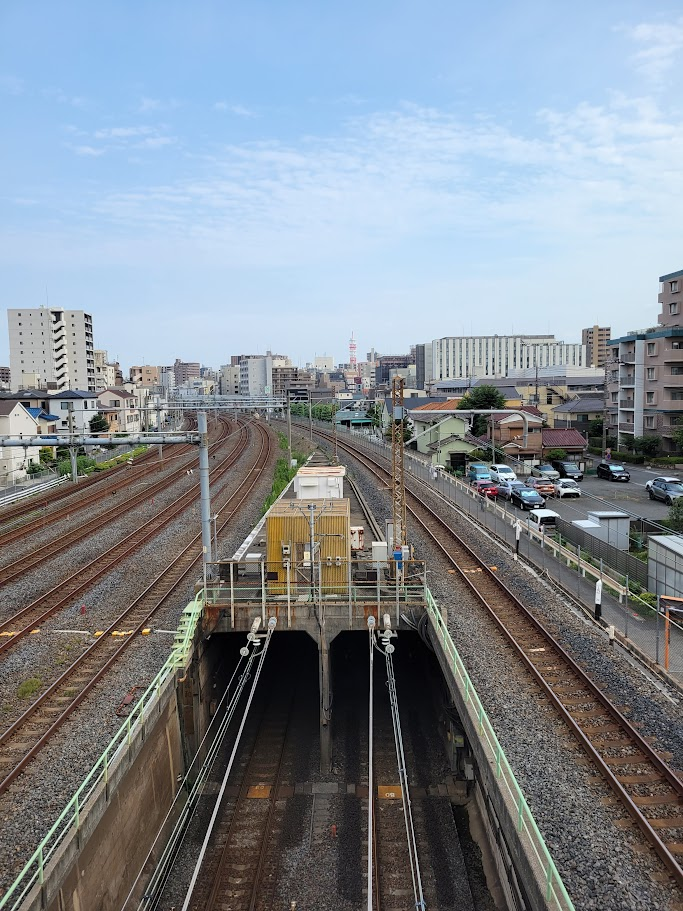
214 816
215 732
387 651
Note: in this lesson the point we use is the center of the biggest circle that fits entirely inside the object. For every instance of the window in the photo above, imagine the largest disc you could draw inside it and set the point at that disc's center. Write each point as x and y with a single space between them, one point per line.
677 396
677 371
64 406
650 398
650 372
673 286
673 309
615 396
651 348
649 421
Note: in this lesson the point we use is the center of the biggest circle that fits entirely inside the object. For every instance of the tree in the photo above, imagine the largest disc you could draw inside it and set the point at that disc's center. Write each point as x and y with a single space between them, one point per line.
558 454
677 435
648 445
595 428
99 424
676 515
481 397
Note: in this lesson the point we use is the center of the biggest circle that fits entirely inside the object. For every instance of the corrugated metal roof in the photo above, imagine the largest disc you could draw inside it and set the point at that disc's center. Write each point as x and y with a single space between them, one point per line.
448 405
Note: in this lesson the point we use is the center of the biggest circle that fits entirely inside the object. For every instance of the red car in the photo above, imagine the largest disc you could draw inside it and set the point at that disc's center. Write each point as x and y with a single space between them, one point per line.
486 488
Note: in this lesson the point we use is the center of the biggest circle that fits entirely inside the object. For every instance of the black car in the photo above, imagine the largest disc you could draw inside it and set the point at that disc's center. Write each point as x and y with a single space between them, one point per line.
568 470
526 498
668 491
612 472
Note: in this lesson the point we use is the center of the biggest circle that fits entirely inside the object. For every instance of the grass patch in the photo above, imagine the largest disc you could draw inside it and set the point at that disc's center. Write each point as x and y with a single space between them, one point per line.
282 476
28 687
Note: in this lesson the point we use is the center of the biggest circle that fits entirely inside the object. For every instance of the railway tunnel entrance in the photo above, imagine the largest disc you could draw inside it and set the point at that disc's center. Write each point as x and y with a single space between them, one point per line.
322 828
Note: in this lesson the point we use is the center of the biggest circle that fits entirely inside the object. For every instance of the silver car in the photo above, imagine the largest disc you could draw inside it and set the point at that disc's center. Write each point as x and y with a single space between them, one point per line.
665 490
566 487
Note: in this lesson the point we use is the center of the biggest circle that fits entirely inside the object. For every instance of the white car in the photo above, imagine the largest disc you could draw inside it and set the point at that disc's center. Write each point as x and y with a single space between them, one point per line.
565 487
648 484
502 473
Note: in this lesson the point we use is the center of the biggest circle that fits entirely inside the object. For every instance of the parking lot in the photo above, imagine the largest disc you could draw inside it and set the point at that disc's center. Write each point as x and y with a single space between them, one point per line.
631 496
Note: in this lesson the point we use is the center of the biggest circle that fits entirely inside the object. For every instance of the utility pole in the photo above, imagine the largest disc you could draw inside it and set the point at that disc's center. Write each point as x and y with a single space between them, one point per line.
397 466
289 430
73 450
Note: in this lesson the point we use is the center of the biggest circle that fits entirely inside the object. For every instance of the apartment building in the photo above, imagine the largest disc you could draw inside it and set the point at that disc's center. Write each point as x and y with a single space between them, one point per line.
645 373
105 373
460 357
291 379
55 344
185 370
229 379
145 376
595 339
4 377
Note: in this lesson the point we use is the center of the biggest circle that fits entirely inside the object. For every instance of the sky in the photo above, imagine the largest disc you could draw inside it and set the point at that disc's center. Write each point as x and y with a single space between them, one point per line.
218 178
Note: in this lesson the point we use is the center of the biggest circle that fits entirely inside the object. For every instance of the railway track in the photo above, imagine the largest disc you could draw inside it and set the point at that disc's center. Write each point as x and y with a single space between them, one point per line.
75 498
29 733
23 622
647 788
70 538
239 872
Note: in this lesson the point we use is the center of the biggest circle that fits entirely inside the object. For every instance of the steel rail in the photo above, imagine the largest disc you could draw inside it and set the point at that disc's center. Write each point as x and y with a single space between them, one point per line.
56 598
471 568
14 569
58 702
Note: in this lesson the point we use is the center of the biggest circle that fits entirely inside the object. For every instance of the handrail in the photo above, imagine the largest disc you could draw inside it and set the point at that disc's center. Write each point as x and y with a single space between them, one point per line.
555 890
71 816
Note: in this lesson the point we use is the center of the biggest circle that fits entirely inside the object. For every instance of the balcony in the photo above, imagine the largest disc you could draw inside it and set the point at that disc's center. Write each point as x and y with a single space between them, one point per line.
626 428
627 359
628 404
627 381
672 355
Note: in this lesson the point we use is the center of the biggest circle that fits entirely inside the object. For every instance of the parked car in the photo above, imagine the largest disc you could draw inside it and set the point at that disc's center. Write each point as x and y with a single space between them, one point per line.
505 488
542 519
477 471
485 488
526 498
545 471
668 491
502 473
568 470
648 484
546 486
613 472
566 487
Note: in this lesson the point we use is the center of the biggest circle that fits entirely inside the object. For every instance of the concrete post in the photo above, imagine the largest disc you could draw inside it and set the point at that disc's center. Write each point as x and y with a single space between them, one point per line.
204 484
325 735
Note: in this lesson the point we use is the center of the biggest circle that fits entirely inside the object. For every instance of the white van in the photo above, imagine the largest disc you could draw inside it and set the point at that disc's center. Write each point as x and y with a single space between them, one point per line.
542 520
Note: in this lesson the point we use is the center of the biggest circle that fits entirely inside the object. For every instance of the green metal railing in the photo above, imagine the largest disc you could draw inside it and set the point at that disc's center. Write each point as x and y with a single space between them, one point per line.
69 820
555 891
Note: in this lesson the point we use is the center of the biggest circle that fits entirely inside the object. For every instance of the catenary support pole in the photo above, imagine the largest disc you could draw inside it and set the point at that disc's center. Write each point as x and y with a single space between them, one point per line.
204 484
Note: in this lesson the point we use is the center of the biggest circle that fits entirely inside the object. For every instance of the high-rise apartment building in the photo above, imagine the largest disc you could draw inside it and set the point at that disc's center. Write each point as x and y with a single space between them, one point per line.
461 357
184 371
105 373
595 339
645 373
54 343
146 376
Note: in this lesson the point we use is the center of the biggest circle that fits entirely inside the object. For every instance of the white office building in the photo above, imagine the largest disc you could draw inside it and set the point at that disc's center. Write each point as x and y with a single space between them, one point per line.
464 357
54 344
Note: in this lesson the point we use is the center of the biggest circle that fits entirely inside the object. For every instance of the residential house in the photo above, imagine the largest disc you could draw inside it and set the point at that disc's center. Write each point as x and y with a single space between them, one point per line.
578 412
120 408
571 440
442 433
16 421
517 437
75 408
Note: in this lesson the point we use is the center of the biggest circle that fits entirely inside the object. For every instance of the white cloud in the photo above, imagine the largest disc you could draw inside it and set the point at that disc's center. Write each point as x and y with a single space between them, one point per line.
660 44
157 104
123 132
415 173
237 109
88 151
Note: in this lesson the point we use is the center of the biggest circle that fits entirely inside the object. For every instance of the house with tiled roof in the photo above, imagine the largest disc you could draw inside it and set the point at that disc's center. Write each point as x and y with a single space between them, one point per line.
75 408
579 412
571 440
509 434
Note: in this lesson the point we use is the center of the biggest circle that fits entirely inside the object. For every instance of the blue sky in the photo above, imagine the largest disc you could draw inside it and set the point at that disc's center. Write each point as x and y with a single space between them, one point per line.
218 178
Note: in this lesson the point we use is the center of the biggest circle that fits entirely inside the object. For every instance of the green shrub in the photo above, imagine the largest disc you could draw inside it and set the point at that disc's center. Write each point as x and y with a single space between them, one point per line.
649 598
668 460
28 687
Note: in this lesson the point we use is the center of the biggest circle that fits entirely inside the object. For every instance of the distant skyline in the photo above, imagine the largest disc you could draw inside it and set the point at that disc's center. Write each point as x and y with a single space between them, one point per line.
211 179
